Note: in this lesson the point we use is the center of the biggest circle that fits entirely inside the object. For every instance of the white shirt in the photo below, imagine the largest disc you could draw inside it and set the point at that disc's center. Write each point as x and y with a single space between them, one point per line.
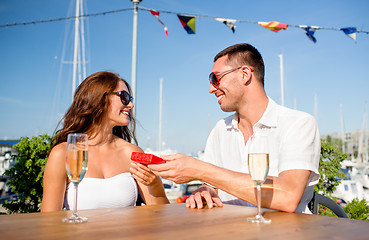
294 143
118 191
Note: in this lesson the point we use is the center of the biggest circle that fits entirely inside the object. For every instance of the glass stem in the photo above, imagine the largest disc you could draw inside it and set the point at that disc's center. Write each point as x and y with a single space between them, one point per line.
75 199
258 196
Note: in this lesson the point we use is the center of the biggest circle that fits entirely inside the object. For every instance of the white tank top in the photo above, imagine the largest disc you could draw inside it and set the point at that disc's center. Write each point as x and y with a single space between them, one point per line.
117 191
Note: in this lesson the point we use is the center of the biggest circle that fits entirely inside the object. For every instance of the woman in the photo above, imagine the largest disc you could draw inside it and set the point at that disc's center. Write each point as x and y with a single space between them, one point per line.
102 109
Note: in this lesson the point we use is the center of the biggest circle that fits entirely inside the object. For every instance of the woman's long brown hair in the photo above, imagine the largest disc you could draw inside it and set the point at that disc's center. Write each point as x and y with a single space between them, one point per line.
90 105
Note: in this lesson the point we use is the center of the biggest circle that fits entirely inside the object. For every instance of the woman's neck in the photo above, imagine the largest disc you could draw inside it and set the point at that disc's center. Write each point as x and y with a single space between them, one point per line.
102 135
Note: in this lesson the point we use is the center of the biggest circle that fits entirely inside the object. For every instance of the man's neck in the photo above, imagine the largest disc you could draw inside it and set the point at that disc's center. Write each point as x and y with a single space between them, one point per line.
250 115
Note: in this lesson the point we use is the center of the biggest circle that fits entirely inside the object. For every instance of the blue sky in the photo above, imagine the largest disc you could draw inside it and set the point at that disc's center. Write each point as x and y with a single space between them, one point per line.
34 93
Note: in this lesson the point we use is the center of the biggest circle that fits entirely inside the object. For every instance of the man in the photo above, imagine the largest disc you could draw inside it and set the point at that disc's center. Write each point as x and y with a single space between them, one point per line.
237 80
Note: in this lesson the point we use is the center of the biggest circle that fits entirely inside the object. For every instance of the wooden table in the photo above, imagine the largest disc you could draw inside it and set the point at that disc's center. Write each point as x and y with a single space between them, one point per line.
175 221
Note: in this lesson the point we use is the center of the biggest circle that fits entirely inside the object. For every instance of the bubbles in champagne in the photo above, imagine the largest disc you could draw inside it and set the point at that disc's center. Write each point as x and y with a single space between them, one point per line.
76 164
258 166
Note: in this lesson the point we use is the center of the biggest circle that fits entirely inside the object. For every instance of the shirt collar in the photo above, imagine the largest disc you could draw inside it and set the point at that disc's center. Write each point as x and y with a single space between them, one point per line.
269 118
232 121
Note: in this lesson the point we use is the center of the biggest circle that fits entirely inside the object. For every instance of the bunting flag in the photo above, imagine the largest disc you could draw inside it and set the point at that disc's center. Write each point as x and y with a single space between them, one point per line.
351 32
156 15
273 25
188 23
229 22
309 31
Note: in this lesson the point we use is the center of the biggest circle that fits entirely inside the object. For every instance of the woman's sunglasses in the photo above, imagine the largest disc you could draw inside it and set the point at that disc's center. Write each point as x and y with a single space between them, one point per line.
215 79
124 97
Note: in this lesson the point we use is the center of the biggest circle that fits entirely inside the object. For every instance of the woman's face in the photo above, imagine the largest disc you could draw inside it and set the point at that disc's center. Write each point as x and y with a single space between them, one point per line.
118 113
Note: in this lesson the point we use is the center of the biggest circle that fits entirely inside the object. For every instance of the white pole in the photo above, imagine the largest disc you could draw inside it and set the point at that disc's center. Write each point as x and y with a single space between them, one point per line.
365 133
343 134
363 141
76 47
83 45
160 114
134 55
282 87
316 107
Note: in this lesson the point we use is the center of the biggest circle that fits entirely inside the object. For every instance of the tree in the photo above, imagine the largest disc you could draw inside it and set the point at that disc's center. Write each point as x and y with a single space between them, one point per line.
357 209
329 168
25 177
330 178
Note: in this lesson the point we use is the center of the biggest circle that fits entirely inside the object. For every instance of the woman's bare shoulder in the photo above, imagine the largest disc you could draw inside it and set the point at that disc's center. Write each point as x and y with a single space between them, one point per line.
55 165
129 147
58 151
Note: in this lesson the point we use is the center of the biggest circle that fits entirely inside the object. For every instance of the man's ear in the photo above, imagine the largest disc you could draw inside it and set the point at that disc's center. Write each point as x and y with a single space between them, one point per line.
246 75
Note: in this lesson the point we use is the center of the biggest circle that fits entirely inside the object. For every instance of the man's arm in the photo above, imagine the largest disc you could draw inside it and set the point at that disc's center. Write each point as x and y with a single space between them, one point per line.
281 193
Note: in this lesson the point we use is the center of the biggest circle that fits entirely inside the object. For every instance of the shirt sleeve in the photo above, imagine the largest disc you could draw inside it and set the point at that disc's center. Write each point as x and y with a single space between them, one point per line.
210 153
301 148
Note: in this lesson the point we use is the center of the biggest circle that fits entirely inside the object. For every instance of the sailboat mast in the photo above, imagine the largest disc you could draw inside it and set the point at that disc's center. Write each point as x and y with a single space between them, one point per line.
79 59
83 75
316 107
76 47
282 83
343 134
363 140
160 114
134 54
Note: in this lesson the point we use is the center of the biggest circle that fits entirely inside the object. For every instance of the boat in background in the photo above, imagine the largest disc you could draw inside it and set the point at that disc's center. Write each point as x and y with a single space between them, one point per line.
347 190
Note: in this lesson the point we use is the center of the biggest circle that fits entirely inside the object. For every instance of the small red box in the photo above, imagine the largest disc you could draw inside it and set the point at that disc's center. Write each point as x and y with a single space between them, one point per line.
146 158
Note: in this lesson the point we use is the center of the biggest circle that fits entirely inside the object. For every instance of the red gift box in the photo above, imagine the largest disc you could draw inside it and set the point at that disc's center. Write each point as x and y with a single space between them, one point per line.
146 158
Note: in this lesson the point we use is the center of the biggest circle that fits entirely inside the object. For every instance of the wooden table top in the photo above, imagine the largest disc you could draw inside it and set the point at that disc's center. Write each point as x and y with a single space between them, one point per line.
175 221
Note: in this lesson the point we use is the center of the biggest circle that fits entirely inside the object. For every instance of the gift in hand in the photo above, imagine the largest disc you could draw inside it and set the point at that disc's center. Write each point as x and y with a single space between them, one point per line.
146 158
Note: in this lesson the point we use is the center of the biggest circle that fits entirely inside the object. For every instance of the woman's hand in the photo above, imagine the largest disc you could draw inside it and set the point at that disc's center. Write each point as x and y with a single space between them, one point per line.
152 190
142 173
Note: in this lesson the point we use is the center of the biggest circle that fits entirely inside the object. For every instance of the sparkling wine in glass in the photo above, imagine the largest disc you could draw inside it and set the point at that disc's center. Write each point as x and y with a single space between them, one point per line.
76 165
258 162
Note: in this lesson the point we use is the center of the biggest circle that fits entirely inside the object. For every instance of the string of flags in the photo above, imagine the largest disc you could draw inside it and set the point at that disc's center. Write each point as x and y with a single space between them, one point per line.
188 23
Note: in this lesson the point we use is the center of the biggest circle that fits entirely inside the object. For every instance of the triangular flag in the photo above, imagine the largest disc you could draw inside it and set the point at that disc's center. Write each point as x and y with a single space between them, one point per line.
273 25
156 15
350 31
309 31
229 22
188 23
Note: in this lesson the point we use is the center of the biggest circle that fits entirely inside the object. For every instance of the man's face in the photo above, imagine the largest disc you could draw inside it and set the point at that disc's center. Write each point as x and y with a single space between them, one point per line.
228 89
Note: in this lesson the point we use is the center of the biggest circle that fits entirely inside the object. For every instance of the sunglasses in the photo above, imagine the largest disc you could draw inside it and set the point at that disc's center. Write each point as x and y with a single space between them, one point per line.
124 97
215 79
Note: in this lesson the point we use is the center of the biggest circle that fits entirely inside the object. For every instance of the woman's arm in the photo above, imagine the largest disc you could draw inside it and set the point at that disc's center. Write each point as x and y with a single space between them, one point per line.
54 180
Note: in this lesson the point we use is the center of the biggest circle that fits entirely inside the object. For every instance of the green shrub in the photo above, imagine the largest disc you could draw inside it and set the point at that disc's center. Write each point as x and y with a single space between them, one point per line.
329 168
25 177
357 209
330 175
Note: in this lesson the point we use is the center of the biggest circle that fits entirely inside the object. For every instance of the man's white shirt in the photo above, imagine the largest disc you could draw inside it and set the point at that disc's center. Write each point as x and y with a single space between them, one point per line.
294 143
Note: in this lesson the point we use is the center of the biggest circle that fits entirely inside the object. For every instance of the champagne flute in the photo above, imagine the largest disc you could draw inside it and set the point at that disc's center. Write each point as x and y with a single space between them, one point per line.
76 165
258 162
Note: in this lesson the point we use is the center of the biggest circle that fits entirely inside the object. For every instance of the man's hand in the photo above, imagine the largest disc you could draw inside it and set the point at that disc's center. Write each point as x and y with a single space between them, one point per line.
179 168
206 193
